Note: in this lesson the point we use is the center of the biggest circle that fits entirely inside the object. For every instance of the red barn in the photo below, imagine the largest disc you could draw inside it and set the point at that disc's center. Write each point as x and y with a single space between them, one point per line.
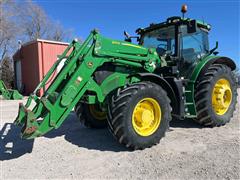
33 60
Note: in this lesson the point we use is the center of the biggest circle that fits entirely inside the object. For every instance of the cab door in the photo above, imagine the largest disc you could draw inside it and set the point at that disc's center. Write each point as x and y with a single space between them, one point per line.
193 46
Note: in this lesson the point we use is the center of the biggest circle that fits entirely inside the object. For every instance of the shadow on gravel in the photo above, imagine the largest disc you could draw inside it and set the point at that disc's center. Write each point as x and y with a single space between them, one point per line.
11 145
186 123
96 139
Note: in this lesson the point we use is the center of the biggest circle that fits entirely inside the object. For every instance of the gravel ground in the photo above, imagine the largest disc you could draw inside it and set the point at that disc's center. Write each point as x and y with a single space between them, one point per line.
188 151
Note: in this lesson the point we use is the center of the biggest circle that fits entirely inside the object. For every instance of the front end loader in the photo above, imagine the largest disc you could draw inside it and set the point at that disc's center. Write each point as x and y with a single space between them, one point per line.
9 93
136 89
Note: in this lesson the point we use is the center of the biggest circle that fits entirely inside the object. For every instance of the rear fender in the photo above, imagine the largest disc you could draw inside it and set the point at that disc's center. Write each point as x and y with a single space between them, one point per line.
202 67
200 70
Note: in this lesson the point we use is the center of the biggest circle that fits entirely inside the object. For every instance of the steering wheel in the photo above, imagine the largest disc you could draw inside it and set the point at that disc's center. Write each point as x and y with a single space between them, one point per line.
161 51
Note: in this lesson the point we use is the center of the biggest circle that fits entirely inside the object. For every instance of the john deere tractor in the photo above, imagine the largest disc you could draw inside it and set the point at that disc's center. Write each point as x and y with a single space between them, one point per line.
9 93
136 89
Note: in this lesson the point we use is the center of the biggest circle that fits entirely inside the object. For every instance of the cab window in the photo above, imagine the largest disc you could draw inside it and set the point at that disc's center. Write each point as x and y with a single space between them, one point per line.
193 45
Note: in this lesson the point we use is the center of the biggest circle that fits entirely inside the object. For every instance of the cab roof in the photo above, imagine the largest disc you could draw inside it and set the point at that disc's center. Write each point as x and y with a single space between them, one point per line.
175 20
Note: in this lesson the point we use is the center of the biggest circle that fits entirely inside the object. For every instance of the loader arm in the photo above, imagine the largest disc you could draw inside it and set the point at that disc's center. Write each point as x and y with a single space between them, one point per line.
74 79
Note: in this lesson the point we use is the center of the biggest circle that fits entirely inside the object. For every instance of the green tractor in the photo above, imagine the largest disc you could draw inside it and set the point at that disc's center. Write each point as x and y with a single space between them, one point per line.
9 94
136 90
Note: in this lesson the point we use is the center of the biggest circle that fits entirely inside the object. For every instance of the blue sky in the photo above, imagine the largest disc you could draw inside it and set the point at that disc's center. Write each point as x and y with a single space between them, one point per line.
113 17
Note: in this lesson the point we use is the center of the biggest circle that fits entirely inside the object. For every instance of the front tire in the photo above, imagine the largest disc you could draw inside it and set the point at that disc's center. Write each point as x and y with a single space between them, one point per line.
216 96
91 116
139 115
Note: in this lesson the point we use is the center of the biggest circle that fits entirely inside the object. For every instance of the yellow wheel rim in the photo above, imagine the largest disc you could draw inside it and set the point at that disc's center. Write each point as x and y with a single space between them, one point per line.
97 113
221 96
146 117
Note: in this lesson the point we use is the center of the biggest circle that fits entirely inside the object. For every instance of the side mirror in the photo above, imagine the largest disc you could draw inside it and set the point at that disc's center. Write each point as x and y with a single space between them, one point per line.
213 50
192 26
127 36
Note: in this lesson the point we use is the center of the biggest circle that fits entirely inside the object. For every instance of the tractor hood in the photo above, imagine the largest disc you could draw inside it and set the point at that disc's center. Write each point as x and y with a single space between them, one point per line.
105 46
125 51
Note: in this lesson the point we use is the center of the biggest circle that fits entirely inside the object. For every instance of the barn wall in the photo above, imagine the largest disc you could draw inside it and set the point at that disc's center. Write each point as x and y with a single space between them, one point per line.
47 56
29 68
36 59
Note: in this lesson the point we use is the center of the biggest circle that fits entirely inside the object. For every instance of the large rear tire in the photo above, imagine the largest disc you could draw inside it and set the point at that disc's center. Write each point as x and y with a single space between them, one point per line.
216 96
91 116
139 115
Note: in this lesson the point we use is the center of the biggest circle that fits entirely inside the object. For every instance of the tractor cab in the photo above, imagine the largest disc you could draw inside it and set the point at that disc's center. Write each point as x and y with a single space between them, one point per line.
180 42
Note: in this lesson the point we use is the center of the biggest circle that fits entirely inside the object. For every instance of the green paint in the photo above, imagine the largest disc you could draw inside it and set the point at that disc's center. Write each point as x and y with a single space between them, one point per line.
9 93
77 82
75 78
190 89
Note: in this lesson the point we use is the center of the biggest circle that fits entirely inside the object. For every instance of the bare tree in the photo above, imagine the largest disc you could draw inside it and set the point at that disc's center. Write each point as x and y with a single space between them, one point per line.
36 24
7 72
8 27
58 33
34 21
26 21
23 21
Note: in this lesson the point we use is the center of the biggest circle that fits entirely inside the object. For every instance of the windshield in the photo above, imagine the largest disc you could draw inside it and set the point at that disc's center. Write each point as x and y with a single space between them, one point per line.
162 39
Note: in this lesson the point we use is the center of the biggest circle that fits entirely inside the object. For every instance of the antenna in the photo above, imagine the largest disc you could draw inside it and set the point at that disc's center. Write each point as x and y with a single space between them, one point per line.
203 20
183 10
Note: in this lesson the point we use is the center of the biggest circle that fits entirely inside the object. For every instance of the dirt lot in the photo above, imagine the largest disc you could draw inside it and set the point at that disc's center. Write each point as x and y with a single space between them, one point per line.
188 151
